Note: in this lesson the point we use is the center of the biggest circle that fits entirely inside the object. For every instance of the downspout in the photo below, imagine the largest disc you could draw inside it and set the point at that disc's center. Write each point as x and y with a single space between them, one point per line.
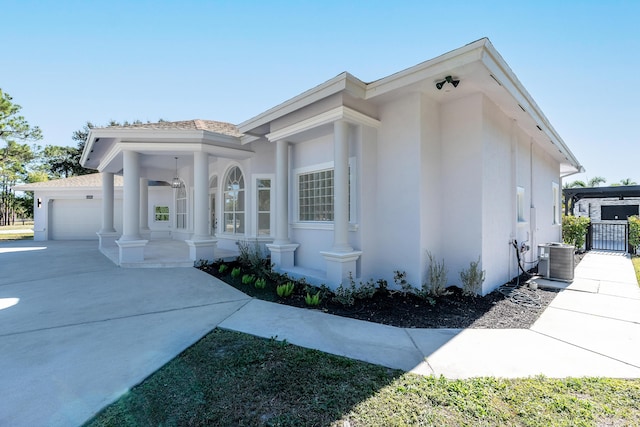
533 222
513 189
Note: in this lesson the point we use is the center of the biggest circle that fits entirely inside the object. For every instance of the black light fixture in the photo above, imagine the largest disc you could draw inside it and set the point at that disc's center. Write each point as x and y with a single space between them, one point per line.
176 183
447 79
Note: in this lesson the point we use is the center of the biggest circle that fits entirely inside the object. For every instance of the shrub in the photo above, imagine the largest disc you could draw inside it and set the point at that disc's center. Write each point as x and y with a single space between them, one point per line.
260 283
235 273
400 279
437 273
285 290
574 230
251 257
223 268
634 231
472 278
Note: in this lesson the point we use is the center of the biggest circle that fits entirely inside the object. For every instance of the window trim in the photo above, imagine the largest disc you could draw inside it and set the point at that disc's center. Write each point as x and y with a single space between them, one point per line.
520 201
224 205
178 212
555 194
272 202
325 225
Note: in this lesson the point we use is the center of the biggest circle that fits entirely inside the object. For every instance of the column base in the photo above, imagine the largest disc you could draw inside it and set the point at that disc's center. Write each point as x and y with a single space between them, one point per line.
339 265
202 249
131 250
107 239
282 254
145 233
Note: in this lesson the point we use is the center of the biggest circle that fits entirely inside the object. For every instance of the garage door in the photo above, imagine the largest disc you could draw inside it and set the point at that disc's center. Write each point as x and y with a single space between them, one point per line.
79 219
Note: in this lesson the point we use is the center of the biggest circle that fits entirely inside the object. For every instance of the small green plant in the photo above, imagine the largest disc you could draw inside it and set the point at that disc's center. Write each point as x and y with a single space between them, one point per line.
260 283
400 279
313 300
345 295
223 268
235 273
472 279
574 230
248 279
285 290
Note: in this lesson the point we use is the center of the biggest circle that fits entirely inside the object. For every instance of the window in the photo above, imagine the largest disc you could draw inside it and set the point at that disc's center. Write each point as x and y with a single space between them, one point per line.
181 206
161 213
555 190
520 204
234 202
263 187
315 196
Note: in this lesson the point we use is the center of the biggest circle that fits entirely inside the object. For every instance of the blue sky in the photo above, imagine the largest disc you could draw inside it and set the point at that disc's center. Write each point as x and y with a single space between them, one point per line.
68 62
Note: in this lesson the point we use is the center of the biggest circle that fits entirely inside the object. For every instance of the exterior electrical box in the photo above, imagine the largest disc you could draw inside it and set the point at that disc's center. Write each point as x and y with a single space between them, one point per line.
556 262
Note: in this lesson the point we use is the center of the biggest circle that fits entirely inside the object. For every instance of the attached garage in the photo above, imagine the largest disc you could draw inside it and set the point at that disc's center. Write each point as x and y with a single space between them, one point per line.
78 219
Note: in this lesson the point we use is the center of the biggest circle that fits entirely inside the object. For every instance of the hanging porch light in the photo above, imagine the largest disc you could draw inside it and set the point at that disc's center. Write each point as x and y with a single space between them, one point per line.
176 182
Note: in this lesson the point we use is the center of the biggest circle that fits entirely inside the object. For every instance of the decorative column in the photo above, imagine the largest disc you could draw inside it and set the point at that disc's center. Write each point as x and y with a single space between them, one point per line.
144 208
131 243
282 249
341 260
202 245
107 235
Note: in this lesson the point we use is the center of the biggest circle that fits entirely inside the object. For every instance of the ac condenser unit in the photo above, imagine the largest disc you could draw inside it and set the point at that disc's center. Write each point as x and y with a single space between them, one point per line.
555 261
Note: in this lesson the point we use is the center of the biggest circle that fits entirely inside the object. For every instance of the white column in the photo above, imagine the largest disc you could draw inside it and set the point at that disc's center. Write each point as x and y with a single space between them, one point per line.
201 196
107 203
131 197
341 187
202 245
144 206
282 193
282 250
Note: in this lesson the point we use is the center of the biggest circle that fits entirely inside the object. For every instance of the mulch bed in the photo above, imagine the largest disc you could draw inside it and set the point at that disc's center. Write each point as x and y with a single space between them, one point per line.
455 310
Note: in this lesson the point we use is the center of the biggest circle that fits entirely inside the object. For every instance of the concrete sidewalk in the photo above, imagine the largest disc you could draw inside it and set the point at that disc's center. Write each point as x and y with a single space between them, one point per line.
76 331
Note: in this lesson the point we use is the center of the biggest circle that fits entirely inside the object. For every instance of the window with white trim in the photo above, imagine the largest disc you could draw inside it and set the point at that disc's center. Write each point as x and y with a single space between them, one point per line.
234 202
555 193
263 204
315 196
520 204
181 206
161 213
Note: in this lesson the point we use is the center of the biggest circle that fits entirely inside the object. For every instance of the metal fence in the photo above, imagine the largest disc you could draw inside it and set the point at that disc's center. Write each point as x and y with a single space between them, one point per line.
608 237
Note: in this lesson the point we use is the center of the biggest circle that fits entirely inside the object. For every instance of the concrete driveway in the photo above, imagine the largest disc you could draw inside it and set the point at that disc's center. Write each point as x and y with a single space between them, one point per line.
76 331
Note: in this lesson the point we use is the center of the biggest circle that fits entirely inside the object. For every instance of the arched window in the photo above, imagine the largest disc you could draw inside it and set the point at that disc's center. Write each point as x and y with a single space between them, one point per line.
181 206
234 202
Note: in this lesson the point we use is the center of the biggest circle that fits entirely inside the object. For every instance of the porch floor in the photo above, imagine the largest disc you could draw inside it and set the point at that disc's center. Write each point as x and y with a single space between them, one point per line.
163 253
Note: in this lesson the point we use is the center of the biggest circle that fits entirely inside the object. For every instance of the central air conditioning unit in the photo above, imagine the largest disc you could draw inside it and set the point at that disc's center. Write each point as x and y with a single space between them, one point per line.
556 262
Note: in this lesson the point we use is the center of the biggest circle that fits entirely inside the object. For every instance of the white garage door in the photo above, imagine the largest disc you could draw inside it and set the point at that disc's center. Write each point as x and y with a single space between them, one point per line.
78 219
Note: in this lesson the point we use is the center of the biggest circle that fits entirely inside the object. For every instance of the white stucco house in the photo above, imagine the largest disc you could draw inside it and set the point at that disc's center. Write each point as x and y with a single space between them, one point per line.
451 156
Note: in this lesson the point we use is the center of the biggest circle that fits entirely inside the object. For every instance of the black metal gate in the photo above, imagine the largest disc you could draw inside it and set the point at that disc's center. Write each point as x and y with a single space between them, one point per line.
608 237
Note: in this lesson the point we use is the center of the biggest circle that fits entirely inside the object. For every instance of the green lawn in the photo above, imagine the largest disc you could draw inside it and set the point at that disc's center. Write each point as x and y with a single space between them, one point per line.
636 266
232 379
16 236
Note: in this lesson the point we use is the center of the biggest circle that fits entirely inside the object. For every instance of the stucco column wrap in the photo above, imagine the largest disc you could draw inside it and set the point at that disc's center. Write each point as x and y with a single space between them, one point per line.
107 203
282 193
341 187
201 196
131 196
144 204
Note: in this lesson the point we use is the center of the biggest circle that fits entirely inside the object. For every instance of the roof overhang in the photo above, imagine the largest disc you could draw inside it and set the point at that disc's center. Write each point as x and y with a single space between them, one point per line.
104 146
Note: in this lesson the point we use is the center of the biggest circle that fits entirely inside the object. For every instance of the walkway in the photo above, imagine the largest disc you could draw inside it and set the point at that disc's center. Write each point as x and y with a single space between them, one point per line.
76 331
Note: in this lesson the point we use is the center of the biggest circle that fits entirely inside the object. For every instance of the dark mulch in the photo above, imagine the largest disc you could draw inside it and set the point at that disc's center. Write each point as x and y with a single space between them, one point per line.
455 310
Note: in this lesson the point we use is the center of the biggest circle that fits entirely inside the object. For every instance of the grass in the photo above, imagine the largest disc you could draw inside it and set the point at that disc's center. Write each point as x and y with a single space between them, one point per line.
17 236
636 266
228 378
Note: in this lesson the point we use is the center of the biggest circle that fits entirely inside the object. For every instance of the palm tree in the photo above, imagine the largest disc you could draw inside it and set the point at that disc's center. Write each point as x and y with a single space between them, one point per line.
627 181
575 184
596 181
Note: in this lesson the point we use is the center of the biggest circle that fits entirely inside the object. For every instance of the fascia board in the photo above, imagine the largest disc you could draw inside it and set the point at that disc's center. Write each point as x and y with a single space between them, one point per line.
497 66
328 88
338 113
435 67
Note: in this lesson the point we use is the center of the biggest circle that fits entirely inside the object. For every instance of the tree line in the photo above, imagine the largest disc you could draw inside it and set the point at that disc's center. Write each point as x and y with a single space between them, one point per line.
22 160
596 181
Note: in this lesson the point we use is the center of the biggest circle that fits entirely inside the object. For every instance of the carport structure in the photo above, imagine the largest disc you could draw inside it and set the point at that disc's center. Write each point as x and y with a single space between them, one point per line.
177 152
574 195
